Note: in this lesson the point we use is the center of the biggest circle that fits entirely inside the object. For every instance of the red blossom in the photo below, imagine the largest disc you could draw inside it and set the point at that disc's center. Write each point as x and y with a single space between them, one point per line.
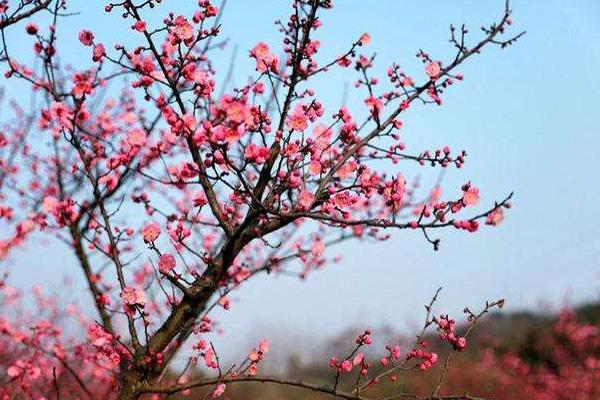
86 37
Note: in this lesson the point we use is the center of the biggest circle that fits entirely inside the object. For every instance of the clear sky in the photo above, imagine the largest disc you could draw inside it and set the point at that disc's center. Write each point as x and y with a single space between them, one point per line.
528 117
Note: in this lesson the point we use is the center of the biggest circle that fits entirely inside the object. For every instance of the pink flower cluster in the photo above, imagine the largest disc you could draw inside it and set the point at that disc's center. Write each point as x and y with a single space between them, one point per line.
265 60
427 359
445 327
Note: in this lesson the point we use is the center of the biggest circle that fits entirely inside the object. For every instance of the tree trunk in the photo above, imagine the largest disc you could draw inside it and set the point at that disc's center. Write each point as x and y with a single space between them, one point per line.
130 385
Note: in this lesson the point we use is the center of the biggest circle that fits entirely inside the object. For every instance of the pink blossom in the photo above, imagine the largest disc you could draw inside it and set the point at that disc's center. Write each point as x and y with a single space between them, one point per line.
219 390
225 302
253 356
364 39
166 263
471 196
133 296
98 52
210 359
115 358
297 121
150 232
50 204
374 105
358 359
495 217
306 199
109 180
347 366
263 346
183 29
136 137
318 248
265 60
13 371
199 199
396 352
315 167
261 50
256 153
252 370
433 69
86 37
237 111
61 113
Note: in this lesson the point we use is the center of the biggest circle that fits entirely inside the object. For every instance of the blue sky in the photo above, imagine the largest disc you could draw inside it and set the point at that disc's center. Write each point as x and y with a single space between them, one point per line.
528 117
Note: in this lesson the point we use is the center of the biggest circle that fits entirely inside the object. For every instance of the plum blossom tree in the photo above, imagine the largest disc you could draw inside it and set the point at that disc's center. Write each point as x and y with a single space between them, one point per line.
172 194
